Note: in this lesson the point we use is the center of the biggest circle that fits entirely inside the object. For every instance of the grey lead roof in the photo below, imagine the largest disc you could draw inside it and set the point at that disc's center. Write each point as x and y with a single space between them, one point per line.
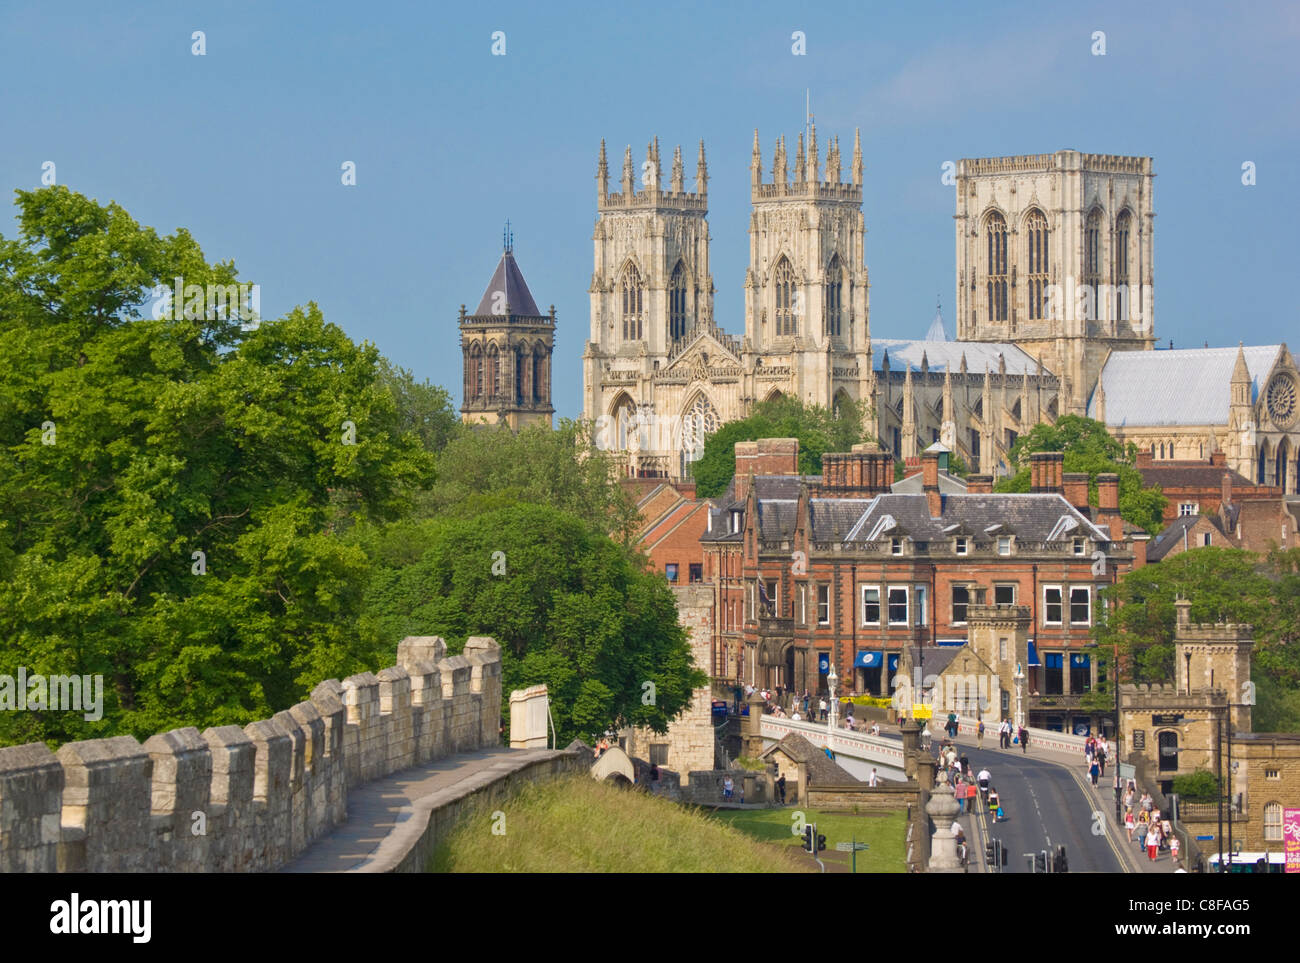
1033 517
1188 386
508 280
947 354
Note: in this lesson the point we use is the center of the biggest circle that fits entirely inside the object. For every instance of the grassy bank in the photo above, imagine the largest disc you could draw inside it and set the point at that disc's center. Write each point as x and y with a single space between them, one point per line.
577 825
883 832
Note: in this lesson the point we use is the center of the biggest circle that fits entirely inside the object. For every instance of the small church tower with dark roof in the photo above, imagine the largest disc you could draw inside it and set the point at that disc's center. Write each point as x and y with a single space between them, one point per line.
507 345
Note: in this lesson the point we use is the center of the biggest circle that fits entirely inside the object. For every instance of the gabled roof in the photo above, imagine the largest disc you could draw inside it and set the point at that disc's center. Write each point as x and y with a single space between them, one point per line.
1164 543
508 279
949 484
819 768
1031 517
1173 475
943 355
1188 386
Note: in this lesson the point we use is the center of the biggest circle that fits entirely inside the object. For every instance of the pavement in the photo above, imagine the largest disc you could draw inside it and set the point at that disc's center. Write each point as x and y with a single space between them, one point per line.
1048 802
386 815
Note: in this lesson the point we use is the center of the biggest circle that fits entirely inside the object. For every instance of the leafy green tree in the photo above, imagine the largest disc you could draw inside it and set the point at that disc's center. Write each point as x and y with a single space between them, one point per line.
167 485
1089 448
488 467
1199 786
818 430
569 606
422 407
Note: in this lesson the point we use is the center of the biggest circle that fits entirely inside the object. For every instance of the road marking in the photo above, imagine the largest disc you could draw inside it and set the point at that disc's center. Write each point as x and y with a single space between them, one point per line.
1087 792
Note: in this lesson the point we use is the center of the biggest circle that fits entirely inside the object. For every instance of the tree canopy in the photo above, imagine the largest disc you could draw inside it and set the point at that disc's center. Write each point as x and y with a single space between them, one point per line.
167 486
569 606
1089 448
1223 585
818 429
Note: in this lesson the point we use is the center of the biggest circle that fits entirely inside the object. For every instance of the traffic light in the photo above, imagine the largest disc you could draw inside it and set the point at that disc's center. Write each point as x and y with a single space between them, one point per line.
1062 864
990 855
808 838
821 843
1040 861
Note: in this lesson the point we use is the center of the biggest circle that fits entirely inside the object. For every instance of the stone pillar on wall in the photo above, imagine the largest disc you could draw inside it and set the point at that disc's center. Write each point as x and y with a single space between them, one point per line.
529 718
911 730
106 806
485 681
31 797
942 808
231 819
751 737
182 781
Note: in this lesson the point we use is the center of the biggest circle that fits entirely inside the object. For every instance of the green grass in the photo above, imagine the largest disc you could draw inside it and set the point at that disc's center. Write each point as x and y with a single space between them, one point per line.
577 825
883 832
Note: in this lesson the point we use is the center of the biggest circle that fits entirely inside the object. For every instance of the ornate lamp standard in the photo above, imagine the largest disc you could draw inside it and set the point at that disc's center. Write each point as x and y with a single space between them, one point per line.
1020 685
832 720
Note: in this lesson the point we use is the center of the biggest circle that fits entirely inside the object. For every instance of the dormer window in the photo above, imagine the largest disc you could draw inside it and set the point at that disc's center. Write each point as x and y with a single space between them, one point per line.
895 546
1004 544
1080 546
962 545
735 522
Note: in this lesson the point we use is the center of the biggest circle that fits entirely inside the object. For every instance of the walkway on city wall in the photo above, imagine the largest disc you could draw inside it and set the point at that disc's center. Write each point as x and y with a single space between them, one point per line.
394 824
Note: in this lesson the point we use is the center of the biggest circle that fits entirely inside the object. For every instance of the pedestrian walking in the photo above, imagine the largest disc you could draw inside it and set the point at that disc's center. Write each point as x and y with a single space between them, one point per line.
728 788
780 788
1101 757
1024 739
1173 849
972 795
1153 843
1142 827
1129 823
873 779
1004 735
821 707
959 793
1092 772
979 735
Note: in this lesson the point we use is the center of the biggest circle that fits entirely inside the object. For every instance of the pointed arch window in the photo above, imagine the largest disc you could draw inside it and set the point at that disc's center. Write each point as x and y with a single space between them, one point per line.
701 420
539 382
995 230
677 303
1036 232
834 297
633 300
786 298
474 376
1123 228
1092 258
625 422
493 372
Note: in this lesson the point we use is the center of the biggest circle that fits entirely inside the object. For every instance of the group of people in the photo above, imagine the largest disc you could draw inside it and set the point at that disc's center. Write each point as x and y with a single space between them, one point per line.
1152 829
1009 734
1094 756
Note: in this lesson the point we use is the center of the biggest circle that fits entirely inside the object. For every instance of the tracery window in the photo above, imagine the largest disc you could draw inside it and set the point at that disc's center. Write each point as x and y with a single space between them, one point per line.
677 303
1092 257
1123 297
786 299
633 299
1037 233
834 296
995 229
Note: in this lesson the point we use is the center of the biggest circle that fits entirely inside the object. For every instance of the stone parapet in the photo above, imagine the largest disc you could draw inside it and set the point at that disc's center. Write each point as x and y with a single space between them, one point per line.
243 800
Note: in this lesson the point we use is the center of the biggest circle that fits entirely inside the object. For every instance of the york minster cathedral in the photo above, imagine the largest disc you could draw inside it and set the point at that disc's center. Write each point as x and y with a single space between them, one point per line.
1054 315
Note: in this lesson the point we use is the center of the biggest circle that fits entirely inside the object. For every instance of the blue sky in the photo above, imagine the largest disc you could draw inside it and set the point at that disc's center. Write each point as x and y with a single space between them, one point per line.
243 146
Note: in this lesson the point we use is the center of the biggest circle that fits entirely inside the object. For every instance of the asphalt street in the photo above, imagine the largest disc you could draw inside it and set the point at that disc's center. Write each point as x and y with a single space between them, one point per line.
1044 807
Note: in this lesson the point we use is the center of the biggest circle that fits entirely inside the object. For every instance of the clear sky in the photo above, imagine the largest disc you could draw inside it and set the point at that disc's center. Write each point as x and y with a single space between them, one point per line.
243 146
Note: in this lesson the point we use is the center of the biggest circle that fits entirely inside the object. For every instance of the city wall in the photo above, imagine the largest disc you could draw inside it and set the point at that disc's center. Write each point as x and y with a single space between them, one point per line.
243 800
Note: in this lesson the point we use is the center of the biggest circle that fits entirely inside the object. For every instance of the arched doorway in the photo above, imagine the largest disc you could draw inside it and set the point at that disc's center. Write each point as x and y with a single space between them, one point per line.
1167 749
1281 465
1262 478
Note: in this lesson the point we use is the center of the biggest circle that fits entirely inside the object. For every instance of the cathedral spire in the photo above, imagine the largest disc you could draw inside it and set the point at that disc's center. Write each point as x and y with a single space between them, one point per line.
780 173
650 173
627 175
678 175
814 160
756 166
602 174
702 172
857 156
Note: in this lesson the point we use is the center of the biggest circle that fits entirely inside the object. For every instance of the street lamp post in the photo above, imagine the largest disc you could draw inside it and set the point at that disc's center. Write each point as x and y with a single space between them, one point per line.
1020 685
833 717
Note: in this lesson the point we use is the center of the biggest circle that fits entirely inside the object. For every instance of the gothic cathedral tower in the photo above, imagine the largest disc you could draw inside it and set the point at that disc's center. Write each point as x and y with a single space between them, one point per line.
1054 254
506 345
806 287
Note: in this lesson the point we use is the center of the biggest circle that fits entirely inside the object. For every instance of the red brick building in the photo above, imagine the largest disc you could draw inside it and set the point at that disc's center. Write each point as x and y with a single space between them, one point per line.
1196 487
810 571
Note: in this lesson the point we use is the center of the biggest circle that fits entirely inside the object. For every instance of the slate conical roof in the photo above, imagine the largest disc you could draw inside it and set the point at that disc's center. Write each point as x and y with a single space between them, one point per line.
508 279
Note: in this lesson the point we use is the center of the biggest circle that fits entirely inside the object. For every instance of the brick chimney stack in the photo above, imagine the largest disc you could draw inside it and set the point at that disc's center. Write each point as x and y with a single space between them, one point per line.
1045 472
866 470
930 482
1225 496
980 484
1076 490
1108 504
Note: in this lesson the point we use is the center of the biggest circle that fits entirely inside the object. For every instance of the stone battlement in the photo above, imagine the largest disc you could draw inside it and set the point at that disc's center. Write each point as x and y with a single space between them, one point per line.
243 800
1163 695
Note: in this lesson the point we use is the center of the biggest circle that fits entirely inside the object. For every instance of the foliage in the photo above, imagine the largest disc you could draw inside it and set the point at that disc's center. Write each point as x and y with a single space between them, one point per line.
818 430
570 608
1223 585
578 825
423 408
1090 448
1199 786
129 444
884 833
957 466
488 467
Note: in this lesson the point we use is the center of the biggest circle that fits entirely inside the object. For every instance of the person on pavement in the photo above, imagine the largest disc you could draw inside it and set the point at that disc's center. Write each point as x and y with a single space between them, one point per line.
1024 739
984 777
979 735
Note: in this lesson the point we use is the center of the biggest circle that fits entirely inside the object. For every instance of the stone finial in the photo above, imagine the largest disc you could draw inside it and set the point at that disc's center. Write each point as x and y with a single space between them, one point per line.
627 172
857 156
678 178
602 173
701 173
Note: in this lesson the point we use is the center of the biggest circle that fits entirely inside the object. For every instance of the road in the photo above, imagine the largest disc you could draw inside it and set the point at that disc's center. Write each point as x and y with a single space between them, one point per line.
1044 808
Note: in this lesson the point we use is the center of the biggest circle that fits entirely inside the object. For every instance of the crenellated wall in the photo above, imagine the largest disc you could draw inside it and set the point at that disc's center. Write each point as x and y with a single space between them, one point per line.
243 800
